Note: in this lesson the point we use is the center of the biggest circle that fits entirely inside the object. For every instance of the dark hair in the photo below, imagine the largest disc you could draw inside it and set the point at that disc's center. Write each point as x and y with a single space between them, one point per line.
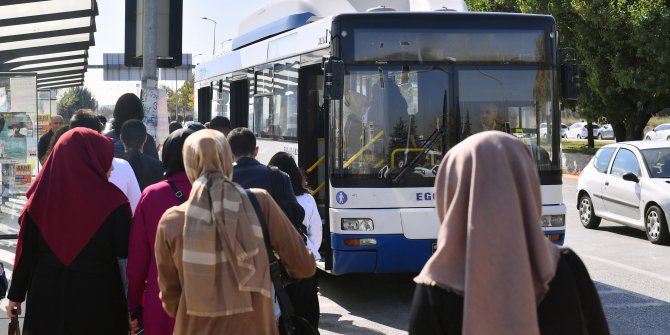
85 118
285 162
103 120
54 139
172 158
128 107
242 142
133 136
219 123
195 126
174 125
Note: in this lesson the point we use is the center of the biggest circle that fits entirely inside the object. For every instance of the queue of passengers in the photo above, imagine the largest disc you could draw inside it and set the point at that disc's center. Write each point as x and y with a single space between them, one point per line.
114 240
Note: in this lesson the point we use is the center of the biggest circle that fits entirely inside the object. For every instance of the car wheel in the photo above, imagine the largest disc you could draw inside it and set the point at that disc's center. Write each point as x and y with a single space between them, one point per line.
648 138
656 226
587 216
667 138
579 137
600 137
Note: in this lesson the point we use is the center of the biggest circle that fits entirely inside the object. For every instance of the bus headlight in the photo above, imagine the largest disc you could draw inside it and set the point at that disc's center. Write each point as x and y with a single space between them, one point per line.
553 220
358 224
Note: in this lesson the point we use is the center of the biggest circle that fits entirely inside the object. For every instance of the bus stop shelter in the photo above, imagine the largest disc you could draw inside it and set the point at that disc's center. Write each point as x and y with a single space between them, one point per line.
49 38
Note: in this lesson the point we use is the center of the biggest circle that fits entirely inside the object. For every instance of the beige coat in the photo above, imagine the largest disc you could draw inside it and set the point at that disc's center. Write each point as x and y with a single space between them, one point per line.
285 240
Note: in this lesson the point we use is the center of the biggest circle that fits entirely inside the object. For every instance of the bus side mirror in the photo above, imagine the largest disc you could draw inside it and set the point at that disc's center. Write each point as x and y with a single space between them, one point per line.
333 83
569 74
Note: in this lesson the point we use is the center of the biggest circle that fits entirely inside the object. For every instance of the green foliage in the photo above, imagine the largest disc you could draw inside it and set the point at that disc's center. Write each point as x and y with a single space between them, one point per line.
467 126
74 99
622 45
182 102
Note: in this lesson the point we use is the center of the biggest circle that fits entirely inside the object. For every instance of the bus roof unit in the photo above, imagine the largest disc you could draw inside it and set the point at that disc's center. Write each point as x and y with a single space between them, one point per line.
285 15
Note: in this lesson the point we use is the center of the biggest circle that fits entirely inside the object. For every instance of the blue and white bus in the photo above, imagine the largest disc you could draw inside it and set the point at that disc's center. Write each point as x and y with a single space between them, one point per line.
410 80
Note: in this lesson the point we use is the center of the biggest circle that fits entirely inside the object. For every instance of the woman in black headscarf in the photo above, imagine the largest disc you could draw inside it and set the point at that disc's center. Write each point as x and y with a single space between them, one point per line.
155 200
129 107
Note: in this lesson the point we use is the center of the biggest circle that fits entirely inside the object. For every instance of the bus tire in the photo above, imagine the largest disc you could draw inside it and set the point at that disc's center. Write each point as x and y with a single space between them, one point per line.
587 215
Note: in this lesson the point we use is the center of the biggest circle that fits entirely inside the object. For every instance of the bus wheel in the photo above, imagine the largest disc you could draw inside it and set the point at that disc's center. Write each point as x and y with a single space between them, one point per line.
587 216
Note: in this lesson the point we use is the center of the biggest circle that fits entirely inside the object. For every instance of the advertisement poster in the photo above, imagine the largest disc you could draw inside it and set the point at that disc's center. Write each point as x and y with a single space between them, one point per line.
150 102
43 124
14 130
23 174
24 95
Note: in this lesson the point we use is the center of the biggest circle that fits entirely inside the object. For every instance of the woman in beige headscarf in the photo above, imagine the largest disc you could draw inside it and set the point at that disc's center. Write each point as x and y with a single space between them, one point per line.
212 263
494 272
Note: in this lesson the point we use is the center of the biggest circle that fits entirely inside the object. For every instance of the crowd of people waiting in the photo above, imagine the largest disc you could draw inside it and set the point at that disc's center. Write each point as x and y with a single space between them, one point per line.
114 240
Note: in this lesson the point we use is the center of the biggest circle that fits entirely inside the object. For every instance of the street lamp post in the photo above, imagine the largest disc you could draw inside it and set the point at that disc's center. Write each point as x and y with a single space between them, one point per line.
214 45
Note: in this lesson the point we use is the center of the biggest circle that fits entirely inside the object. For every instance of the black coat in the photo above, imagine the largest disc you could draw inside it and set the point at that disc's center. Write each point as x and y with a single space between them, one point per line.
85 297
43 144
250 173
571 306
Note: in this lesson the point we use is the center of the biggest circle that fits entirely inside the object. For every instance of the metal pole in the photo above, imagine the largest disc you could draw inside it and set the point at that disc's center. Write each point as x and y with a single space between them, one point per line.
149 78
149 60
214 44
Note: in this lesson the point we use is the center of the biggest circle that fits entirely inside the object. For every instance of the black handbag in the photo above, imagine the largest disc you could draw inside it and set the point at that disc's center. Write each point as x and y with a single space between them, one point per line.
289 323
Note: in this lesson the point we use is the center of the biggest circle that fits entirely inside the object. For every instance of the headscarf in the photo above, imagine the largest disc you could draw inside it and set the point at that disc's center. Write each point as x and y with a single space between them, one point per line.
71 196
224 257
490 248
171 156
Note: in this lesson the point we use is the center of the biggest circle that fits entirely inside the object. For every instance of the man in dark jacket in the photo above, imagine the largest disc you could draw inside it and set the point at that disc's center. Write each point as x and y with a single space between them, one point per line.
43 144
248 172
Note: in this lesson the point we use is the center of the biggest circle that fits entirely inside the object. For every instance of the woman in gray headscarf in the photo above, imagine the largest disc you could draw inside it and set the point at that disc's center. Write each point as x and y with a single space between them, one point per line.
494 272
213 270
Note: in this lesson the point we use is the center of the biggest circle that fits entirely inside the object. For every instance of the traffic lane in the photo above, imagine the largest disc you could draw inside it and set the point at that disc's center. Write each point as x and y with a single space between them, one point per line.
619 246
631 274
366 304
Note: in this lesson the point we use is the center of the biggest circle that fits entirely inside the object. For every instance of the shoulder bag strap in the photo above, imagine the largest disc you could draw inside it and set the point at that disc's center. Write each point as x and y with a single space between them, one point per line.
177 192
275 270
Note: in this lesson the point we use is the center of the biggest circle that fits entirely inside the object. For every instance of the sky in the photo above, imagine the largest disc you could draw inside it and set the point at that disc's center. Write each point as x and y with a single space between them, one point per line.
197 38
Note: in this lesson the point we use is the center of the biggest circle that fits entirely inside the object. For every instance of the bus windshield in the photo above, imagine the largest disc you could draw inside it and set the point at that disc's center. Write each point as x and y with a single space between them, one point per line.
389 113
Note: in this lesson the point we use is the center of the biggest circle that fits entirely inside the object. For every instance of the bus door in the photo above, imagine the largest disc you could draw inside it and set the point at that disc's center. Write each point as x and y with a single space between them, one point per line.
312 150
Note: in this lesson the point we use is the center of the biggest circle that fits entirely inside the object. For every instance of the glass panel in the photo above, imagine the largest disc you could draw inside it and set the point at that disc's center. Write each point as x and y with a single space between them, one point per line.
438 45
602 159
285 113
388 113
221 99
625 162
658 161
513 100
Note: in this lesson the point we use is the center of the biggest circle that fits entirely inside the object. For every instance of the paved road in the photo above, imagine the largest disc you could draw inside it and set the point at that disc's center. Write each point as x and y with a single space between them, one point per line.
631 274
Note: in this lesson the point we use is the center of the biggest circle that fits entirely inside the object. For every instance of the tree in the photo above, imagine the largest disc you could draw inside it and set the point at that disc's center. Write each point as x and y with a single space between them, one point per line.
181 102
73 99
625 69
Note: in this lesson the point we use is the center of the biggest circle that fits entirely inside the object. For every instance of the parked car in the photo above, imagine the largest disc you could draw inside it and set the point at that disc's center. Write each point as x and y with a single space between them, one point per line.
627 183
606 132
661 132
578 130
564 129
543 130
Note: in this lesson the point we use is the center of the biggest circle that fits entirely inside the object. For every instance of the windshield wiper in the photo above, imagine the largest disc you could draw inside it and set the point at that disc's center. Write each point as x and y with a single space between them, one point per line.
427 145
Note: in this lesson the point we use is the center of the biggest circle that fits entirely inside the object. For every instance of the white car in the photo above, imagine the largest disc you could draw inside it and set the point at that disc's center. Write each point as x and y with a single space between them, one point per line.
606 132
578 130
627 183
661 132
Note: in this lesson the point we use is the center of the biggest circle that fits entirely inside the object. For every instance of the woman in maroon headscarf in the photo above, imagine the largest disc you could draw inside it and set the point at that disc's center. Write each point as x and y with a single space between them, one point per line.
73 227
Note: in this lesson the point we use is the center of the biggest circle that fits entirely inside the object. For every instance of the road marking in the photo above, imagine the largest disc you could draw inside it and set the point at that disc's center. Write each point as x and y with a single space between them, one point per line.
635 305
629 268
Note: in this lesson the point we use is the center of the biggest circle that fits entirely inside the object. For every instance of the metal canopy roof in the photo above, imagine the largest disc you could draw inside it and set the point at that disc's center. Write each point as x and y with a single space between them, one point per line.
47 37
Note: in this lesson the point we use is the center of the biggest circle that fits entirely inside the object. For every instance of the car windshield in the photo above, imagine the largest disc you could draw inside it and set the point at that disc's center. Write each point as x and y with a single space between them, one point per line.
658 162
